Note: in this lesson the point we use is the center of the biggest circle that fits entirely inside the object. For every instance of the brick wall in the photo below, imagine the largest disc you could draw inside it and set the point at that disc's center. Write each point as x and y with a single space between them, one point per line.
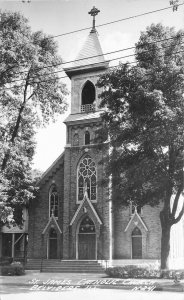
39 213
150 239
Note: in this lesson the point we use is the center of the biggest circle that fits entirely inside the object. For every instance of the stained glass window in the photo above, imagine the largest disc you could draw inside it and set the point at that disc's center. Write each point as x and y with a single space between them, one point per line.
87 176
136 232
54 201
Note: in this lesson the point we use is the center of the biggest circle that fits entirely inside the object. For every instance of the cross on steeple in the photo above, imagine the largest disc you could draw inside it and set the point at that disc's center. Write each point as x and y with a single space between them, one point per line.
93 12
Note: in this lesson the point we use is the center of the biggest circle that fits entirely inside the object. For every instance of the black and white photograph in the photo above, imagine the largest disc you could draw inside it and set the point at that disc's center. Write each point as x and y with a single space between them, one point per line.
91 149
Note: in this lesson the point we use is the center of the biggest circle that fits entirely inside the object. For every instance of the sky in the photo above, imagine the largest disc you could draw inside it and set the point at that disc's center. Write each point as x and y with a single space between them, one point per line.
57 17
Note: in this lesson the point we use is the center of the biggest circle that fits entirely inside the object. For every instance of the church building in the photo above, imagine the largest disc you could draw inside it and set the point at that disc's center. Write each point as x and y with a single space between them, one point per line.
73 218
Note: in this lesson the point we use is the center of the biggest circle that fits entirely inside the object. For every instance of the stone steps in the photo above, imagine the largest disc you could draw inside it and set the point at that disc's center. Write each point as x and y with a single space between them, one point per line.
33 264
65 266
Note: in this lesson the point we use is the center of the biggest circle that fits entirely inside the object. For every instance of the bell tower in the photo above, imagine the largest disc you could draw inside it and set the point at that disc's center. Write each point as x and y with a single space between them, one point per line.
82 170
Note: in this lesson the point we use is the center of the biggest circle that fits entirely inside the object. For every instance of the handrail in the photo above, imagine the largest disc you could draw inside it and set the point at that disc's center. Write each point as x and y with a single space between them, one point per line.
41 266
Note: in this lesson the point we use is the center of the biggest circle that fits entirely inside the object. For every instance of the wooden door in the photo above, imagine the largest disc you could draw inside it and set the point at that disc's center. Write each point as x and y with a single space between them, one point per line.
87 246
136 247
52 248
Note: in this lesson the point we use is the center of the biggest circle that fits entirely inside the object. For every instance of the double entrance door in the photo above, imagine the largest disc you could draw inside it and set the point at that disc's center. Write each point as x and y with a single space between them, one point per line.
87 246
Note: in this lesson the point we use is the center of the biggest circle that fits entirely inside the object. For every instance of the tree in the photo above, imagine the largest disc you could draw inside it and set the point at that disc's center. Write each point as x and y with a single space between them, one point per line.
31 95
145 127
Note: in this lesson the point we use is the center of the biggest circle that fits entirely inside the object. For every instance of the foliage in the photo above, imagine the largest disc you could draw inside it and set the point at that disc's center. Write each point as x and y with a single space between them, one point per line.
143 120
31 95
15 268
133 271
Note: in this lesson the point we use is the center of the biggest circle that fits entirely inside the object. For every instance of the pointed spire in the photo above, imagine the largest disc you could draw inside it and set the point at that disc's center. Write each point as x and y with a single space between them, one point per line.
94 12
90 57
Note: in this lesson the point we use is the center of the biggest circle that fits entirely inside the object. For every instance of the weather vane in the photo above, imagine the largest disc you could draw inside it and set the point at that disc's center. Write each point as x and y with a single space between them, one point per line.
94 12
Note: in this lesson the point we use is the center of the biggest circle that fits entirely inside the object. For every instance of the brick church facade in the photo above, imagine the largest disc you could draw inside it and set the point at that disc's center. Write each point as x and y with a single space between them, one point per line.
73 217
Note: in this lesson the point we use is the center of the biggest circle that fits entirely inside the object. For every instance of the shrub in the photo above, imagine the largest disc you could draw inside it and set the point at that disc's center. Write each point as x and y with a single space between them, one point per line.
133 271
173 274
5 261
16 268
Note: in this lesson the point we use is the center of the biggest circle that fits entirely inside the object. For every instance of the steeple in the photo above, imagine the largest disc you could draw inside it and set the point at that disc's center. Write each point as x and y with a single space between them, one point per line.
90 57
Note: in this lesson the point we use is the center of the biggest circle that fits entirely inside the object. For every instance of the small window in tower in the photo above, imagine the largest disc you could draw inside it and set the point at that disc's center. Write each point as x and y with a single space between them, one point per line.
88 93
76 139
87 138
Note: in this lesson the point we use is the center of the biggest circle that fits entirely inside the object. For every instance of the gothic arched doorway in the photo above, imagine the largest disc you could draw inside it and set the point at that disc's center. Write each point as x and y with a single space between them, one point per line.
52 244
87 239
136 243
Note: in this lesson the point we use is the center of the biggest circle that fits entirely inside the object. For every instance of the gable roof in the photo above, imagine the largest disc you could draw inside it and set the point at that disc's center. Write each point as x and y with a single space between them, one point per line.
51 169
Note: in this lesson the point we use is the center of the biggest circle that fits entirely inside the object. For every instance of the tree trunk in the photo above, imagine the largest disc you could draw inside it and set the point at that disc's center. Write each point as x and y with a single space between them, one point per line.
165 241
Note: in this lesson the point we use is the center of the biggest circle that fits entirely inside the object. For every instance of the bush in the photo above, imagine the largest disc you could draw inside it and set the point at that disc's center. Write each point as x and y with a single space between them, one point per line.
173 274
16 268
5 261
132 271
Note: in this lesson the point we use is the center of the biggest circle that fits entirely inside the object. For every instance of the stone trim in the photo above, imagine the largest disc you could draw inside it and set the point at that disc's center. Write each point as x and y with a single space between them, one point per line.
139 218
82 205
51 221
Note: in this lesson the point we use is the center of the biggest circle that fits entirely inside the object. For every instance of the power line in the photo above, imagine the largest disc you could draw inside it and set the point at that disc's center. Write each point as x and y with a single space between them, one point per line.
112 22
94 56
50 80
116 21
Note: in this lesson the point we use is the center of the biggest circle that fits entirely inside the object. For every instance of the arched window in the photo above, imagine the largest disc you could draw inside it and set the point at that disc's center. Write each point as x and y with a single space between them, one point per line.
136 243
87 176
87 138
76 139
52 234
54 201
88 93
87 226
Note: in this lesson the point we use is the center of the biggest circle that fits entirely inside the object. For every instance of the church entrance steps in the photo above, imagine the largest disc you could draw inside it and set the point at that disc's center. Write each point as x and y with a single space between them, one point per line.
71 266
64 266
33 264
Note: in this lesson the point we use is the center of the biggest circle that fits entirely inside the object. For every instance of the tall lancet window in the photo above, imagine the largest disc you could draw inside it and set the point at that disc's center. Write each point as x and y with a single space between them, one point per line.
87 177
53 201
87 138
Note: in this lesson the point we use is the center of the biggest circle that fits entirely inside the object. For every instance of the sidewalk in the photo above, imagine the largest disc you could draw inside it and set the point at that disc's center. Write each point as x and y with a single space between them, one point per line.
36 281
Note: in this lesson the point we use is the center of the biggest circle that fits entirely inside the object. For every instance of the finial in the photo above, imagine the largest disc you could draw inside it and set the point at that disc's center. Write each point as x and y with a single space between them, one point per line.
93 12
